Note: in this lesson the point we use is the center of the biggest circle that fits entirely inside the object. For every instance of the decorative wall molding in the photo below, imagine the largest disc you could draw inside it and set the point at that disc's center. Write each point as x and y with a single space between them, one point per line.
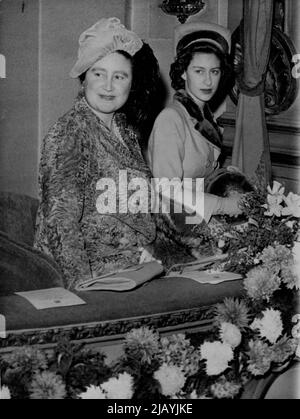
281 88
199 318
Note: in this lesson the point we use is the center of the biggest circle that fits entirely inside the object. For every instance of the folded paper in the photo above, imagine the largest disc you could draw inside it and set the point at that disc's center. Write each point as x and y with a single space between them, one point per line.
203 277
51 298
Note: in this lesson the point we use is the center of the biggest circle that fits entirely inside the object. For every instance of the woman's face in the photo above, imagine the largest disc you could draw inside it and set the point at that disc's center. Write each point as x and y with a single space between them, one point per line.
108 83
202 77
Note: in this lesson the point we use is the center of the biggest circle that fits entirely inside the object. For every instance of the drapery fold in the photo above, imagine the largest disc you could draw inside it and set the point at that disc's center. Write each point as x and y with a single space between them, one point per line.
251 150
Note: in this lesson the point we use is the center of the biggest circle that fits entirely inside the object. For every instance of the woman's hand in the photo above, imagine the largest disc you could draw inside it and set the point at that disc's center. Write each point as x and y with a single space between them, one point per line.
146 256
233 169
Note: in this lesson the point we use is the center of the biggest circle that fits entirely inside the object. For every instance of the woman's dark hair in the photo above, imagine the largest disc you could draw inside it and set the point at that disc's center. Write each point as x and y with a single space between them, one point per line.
183 60
82 77
147 95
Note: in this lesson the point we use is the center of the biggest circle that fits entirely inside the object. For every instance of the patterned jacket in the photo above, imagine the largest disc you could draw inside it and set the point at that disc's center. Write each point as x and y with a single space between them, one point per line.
78 151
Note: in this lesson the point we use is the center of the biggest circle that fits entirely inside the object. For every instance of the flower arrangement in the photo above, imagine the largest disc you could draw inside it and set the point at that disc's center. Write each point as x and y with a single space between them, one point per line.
272 220
250 337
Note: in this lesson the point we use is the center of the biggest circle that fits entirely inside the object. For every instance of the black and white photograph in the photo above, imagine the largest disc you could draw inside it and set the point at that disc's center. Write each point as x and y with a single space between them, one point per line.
149 202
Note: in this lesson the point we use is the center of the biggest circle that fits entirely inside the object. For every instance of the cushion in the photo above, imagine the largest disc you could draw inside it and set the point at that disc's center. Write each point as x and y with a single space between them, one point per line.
286 385
282 384
23 268
162 302
17 216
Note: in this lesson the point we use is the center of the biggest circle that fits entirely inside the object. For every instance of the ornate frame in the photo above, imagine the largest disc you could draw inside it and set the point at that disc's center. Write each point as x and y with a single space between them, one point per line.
198 319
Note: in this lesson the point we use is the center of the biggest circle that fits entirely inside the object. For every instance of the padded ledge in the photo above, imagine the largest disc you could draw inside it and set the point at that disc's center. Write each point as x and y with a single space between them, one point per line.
161 303
17 216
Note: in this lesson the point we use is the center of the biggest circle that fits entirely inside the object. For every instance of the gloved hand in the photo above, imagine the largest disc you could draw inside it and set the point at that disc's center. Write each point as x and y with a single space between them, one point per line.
233 169
146 256
229 206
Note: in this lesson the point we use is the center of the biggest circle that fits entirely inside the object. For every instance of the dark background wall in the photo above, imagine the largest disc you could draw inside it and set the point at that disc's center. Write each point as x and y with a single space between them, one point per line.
19 96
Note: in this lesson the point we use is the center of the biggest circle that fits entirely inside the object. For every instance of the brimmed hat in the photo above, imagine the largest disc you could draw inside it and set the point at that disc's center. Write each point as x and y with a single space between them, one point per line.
202 33
104 37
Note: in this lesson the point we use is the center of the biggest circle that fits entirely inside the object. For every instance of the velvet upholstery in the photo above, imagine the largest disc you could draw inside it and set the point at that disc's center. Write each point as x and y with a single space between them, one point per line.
22 268
17 216
158 296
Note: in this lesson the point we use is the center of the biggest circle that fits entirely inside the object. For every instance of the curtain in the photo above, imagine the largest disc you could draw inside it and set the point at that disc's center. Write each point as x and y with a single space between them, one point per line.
251 150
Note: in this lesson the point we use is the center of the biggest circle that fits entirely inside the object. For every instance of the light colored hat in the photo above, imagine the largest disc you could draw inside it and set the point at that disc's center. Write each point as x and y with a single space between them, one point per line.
202 32
105 36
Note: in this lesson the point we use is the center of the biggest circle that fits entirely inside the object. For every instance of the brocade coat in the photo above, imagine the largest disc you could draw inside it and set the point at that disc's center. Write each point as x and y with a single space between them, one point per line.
78 151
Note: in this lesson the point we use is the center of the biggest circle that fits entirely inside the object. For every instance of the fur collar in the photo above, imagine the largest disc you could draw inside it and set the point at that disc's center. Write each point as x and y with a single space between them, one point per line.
205 122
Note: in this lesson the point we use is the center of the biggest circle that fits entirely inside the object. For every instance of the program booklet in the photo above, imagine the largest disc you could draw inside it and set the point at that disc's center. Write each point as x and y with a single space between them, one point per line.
204 277
200 271
51 298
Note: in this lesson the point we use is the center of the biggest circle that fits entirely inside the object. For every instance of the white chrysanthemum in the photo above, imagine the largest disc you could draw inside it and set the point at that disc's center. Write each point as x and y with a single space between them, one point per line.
259 357
177 350
296 252
275 257
4 393
260 283
291 272
296 267
171 379
296 318
296 331
270 325
217 356
274 199
47 385
233 311
272 207
92 393
223 389
142 344
292 202
230 334
277 192
290 275
120 387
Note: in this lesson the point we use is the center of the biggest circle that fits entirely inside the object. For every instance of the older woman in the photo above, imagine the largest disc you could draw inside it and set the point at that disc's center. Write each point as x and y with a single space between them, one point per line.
92 142
185 142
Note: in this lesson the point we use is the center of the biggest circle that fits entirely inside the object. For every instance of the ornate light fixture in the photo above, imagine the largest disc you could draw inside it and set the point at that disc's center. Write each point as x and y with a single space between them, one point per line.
183 9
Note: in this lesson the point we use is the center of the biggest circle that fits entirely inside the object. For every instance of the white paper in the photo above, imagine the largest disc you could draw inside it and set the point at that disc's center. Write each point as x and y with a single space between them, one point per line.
51 298
207 277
